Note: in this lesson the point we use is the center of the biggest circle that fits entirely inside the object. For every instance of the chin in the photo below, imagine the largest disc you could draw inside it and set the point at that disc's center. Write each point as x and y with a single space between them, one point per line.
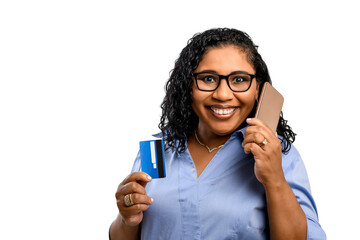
224 131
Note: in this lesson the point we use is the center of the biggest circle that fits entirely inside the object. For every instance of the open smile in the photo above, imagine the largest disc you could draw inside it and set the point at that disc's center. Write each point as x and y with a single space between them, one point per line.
223 112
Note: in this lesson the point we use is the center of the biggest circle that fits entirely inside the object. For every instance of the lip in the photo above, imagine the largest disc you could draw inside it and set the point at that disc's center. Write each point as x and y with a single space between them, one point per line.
223 112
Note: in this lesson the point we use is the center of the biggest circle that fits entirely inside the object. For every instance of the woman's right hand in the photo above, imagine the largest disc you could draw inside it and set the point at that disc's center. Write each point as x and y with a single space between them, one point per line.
133 184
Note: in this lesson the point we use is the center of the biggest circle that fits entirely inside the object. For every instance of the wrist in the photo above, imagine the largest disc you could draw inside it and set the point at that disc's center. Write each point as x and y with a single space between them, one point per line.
120 229
126 225
276 185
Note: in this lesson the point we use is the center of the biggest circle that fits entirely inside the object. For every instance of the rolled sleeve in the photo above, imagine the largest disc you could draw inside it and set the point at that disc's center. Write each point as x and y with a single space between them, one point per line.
297 178
314 230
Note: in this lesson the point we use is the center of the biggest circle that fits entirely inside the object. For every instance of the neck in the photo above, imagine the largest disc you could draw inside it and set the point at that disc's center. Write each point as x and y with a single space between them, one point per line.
210 139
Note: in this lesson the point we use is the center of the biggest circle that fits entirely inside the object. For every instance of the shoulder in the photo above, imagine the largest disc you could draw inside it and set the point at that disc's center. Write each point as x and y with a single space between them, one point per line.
170 142
293 152
295 170
158 135
169 149
291 158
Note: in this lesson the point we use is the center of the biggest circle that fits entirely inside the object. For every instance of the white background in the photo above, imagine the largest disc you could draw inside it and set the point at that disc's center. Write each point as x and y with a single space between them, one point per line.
82 83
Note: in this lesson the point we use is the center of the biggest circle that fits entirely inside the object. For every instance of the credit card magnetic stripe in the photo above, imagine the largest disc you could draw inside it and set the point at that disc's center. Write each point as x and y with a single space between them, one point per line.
160 158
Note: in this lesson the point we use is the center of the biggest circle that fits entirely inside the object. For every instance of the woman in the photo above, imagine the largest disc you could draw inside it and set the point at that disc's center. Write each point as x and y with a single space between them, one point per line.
228 175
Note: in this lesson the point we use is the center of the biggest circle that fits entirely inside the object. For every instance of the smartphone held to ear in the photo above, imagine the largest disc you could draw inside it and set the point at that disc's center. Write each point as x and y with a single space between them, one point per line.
269 107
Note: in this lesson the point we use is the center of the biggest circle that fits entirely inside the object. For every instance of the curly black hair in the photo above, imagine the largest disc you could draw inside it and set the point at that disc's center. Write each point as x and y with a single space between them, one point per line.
178 121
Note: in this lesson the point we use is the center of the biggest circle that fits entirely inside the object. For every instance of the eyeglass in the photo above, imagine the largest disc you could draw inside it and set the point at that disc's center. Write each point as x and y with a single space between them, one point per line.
237 81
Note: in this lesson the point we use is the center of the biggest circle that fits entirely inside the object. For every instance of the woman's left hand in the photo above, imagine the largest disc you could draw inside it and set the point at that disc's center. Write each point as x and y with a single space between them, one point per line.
264 144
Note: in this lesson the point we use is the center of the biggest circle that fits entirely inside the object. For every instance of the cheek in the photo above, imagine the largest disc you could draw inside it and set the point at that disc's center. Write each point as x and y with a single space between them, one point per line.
197 100
248 99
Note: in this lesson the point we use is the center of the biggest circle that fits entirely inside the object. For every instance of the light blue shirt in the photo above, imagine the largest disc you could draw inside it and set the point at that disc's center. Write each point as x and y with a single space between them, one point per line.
225 202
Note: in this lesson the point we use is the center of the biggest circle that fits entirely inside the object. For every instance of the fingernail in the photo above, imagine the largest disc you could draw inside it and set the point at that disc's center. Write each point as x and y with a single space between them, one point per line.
148 177
151 200
248 119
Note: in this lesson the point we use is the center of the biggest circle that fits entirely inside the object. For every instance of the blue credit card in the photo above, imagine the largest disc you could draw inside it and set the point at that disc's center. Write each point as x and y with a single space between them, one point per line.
152 158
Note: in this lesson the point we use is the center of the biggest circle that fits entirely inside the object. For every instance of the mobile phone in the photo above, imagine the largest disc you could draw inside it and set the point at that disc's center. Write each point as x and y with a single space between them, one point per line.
269 106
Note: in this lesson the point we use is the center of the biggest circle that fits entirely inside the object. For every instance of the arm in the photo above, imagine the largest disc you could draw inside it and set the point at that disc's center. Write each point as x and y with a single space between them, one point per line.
119 230
286 218
126 225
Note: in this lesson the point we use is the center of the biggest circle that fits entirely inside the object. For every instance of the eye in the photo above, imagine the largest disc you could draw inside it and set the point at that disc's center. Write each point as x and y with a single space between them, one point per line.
239 79
207 78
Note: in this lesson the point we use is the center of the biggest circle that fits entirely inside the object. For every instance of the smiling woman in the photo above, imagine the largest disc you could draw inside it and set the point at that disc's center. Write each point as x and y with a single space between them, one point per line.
221 163
222 111
178 118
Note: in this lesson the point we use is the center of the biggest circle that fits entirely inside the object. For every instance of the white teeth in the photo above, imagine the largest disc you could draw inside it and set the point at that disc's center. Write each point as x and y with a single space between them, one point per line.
223 111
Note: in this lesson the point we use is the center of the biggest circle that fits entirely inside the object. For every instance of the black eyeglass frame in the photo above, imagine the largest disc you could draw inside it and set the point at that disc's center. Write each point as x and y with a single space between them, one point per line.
226 77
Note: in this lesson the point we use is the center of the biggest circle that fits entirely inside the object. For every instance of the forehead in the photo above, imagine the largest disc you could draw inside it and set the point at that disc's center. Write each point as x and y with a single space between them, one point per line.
225 59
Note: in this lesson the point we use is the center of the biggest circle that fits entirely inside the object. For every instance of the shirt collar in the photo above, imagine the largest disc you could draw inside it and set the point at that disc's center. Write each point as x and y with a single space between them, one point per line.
239 132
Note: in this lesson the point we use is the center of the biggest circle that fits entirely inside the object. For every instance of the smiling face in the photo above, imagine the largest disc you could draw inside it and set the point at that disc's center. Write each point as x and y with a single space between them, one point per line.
222 111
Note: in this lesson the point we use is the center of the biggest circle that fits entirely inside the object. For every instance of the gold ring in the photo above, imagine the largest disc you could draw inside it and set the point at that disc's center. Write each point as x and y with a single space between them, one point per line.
128 200
263 143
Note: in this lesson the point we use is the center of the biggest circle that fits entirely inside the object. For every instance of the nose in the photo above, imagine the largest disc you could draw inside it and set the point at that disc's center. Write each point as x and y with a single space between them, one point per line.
223 92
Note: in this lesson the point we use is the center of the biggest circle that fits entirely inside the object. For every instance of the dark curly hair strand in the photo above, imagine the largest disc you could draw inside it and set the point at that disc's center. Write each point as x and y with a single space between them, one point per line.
178 121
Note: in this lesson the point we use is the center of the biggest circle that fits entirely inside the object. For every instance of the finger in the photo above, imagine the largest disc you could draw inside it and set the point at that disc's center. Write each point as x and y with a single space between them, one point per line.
130 212
253 148
134 209
141 199
255 137
131 187
261 133
136 199
261 125
255 134
137 177
257 128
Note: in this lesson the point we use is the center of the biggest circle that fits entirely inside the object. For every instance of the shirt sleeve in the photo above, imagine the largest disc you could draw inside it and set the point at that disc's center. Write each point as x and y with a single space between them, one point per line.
297 178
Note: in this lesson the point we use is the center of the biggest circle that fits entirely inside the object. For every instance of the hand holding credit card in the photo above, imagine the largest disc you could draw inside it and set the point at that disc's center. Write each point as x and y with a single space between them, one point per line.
152 158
